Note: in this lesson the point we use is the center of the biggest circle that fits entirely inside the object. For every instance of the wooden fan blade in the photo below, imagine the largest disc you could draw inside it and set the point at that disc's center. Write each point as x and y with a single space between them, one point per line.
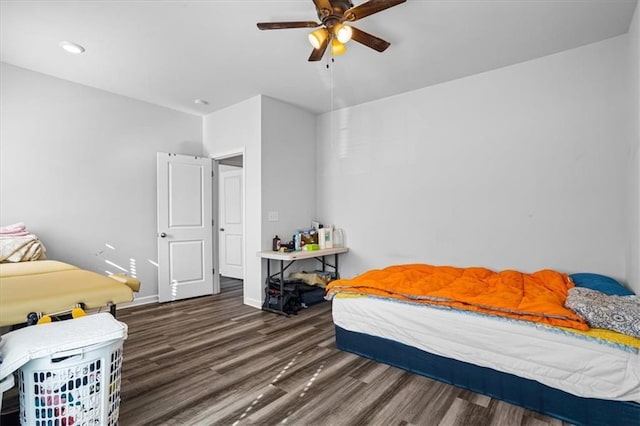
284 25
324 6
318 53
369 40
369 8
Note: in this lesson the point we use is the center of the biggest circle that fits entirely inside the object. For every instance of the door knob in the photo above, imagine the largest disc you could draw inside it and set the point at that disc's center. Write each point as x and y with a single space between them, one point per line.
163 235
221 229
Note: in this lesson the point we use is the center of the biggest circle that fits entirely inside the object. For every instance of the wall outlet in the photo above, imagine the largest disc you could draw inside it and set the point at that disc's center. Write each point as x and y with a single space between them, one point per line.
272 216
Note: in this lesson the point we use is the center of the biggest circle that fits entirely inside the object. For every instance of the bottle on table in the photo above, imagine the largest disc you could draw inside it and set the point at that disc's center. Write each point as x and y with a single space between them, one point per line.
275 245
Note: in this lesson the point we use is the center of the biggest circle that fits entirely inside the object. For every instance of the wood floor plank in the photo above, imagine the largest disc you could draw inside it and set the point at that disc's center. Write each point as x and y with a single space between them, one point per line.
301 406
435 402
369 371
462 413
409 404
235 410
374 398
505 413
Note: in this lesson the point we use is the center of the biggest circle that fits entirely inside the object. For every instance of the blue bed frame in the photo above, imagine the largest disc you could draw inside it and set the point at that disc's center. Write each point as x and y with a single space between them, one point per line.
507 387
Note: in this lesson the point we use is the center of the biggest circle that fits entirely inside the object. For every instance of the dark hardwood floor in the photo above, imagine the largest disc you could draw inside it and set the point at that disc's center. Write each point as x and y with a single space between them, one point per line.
214 361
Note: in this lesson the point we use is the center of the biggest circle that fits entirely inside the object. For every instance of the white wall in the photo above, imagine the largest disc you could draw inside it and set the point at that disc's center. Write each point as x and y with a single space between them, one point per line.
289 169
275 138
238 129
78 166
521 167
633 197
288 174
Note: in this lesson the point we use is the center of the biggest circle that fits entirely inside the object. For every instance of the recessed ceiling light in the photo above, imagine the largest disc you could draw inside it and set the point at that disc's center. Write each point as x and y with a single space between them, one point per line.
201 102
74 48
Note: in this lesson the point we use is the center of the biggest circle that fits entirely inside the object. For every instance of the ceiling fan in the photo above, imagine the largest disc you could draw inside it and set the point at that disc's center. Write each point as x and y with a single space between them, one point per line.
334 16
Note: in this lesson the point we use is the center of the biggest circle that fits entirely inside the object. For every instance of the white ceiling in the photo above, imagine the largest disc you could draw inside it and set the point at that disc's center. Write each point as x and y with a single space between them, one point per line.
172 52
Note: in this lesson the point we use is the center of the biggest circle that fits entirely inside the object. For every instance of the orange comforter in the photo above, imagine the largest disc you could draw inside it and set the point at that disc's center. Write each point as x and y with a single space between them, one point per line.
537 297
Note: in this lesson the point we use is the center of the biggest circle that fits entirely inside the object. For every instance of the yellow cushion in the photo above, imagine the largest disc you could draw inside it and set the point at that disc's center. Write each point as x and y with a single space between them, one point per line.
55 291
133 283
35 267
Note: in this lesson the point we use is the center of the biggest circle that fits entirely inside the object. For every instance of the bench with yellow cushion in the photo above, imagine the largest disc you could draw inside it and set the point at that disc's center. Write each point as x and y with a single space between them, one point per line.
49 286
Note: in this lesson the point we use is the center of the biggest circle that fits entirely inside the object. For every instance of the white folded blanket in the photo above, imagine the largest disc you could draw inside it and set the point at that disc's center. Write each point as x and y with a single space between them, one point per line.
21 248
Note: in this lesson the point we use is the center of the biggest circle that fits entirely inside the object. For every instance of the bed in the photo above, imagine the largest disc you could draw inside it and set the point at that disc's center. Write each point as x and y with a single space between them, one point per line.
47 287
515 360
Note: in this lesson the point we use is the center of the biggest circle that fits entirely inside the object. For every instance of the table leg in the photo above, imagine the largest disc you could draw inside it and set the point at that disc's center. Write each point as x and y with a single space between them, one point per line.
282 286
268 270
267 293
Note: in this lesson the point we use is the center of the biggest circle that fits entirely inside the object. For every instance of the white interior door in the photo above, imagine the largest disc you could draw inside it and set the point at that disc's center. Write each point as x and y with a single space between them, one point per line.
230 213
185 239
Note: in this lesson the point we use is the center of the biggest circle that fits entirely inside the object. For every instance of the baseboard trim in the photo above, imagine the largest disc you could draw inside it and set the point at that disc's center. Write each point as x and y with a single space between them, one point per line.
139 301
253 302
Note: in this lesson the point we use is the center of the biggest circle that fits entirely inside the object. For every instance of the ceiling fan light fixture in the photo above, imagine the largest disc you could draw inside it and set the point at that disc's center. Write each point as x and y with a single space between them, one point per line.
337 48
333 15
343 33
317 37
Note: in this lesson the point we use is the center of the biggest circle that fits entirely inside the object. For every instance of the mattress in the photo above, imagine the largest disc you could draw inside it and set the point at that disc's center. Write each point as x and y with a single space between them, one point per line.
48 287
584 367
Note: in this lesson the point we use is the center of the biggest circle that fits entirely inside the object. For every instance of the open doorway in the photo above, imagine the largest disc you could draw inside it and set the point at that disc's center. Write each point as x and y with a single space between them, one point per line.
229 208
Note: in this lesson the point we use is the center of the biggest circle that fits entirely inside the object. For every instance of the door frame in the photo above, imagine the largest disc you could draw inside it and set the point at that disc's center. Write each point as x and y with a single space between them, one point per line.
216 217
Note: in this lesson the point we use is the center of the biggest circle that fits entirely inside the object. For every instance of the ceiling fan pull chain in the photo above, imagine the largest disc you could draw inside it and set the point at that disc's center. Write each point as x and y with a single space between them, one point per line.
331 114
331 83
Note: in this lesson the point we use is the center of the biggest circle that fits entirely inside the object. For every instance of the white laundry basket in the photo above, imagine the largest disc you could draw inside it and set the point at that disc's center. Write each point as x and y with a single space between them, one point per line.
78 387
68 371
5 385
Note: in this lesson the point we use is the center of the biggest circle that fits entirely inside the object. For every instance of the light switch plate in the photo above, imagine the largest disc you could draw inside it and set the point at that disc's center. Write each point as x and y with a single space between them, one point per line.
272 216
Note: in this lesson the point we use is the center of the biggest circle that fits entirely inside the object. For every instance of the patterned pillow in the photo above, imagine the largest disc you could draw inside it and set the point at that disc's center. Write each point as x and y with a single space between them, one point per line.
617 313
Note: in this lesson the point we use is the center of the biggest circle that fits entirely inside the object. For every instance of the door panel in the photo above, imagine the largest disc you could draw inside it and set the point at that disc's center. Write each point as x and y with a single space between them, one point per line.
233 252
185 239
185 207
231 227
190 266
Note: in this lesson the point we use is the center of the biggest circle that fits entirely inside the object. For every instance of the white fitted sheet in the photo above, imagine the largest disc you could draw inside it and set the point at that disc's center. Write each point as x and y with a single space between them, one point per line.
576 365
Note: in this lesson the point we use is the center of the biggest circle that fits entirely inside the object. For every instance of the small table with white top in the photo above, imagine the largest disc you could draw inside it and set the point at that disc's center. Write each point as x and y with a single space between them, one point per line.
291 257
